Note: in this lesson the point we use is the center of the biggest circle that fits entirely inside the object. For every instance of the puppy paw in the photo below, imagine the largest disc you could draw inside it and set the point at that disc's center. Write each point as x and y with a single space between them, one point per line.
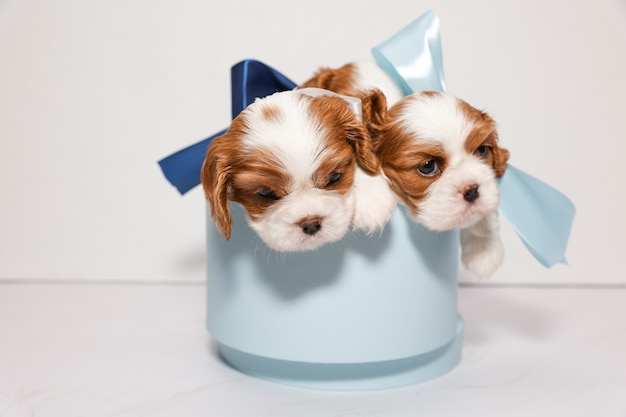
374 202
482 251
482 257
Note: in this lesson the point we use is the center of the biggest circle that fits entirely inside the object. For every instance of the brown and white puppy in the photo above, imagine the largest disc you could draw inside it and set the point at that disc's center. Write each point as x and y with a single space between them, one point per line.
289 159
440 155
442 158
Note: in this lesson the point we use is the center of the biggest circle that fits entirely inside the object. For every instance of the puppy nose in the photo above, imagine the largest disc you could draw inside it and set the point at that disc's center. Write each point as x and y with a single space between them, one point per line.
310 225
471 193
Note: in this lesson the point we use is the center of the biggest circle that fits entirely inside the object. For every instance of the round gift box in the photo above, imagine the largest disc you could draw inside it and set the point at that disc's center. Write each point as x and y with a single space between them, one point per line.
367 312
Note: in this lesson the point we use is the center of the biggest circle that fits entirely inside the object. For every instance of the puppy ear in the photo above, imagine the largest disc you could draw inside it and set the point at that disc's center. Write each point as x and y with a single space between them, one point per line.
500 155
374 108
374 114
337 112
216 179
500 158
361 141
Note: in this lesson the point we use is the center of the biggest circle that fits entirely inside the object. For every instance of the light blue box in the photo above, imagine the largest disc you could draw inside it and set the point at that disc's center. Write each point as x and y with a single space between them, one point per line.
367 312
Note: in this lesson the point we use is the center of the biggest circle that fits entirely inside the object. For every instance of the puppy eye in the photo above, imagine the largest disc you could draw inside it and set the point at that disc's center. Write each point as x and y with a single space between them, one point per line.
268 193
333 178
482 151
429 169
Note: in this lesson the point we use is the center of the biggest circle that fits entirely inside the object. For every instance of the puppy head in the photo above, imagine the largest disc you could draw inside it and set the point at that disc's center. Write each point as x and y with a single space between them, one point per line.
442 158
289 160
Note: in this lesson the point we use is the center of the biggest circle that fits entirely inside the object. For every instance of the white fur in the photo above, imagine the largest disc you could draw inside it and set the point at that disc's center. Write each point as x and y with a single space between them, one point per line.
295 139
374 201
279 229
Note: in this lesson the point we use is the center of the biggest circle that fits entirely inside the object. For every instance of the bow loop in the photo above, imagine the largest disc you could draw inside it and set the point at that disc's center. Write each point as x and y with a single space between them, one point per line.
412 57
251 79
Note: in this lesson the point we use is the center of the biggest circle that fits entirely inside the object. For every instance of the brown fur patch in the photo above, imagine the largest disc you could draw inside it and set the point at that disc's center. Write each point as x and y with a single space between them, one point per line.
340 80
216 174
334 114
270 112
231 173
342 162
374 108
484 133
252 174
401 158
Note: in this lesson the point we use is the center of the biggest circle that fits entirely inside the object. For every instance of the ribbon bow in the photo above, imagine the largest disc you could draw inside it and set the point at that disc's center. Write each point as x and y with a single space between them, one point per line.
540 215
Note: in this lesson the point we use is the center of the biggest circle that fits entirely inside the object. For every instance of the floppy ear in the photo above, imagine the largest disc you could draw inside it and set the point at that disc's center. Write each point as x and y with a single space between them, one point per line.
337 111
216 178
375 116
500 158
374 113
374 108
500 155
361 141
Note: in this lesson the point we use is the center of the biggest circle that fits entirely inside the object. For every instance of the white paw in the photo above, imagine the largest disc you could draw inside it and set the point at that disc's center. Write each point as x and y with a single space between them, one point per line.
482 251
483 256
374 202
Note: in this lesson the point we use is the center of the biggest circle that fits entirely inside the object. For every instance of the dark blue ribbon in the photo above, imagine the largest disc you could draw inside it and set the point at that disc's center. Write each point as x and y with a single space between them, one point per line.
249 79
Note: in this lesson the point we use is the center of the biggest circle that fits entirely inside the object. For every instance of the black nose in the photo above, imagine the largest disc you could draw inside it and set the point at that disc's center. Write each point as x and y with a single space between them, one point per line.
310 225
471 194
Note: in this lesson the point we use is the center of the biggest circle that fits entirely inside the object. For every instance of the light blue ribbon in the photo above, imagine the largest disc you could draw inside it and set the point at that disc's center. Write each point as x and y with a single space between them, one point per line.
541 215
412 57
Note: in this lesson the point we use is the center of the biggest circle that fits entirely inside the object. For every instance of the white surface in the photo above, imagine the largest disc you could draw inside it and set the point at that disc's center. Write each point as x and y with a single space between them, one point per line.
141 350
93 94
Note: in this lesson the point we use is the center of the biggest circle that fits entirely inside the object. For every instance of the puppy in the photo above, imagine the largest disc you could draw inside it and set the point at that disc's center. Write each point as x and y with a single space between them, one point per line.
289 159
440 155
442 158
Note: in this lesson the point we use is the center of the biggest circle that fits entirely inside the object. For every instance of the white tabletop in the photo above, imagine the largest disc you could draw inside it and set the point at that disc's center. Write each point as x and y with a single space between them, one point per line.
91 350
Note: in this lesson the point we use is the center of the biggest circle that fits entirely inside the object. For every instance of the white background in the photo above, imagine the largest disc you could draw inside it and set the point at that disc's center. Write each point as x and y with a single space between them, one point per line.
93 94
